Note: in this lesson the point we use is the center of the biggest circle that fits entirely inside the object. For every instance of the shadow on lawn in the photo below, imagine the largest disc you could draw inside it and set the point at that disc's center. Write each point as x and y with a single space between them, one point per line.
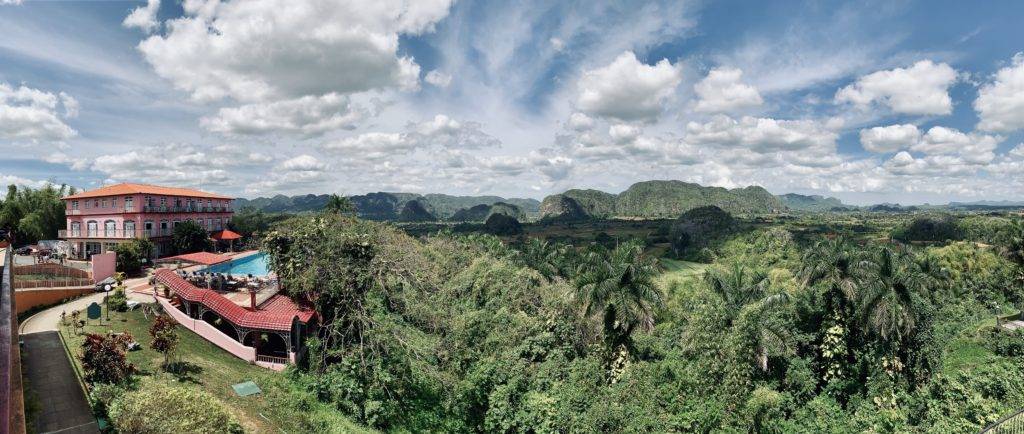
185 371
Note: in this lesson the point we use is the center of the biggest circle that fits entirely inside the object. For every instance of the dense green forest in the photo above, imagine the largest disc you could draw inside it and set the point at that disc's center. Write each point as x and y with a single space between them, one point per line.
820 324
33 214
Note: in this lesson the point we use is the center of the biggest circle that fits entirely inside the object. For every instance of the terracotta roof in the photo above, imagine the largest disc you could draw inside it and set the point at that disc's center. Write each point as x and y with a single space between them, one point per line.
226 235
127 188
279 318
284 304
204 258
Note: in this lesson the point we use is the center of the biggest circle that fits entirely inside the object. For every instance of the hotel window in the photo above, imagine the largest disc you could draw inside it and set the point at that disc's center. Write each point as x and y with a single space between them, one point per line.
92 228
148 225
129 203
109 228
87 204
76 229
74 204
163 226
104 203
129 228
113 203
218 225
174 223
147 201
163 201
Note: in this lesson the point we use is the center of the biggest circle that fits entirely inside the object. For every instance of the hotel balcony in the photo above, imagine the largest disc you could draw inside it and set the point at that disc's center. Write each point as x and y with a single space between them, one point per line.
113 234
150 209
185 209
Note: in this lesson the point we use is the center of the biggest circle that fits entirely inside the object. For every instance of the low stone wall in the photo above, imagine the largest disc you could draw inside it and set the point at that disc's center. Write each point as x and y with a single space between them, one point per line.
26 299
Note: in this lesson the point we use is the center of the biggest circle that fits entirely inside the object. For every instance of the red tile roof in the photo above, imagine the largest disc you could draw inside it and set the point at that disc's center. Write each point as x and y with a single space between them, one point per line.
126 188
273 315
283 304
204 258
226 235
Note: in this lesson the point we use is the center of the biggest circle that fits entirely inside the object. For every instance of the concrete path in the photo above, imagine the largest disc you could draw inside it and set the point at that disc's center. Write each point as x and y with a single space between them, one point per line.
64 408
49 319
62 402
1013 325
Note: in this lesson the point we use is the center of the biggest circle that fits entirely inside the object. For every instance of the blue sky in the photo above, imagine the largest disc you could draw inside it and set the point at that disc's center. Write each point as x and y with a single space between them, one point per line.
905 102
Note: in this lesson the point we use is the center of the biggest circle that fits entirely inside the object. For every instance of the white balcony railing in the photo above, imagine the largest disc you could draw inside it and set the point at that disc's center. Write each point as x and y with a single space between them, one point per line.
115 234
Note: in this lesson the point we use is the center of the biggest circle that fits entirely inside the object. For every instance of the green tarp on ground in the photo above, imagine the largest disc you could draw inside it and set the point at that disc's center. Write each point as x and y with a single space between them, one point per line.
245 389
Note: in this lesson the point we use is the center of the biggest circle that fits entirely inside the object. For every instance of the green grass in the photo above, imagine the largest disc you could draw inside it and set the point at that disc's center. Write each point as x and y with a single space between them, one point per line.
968 349
683 268
280 408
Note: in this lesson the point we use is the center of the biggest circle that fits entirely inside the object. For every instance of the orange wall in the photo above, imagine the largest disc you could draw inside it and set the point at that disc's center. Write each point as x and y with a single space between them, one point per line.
25 299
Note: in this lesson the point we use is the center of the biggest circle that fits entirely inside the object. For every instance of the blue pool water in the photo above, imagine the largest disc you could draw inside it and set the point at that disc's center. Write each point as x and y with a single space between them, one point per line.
252 264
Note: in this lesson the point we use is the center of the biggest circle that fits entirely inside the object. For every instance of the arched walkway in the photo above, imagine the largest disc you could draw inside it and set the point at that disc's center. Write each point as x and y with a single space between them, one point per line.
221 324
271 344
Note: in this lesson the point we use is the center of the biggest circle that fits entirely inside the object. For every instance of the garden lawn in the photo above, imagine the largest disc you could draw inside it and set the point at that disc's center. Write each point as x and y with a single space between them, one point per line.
968 349
282 407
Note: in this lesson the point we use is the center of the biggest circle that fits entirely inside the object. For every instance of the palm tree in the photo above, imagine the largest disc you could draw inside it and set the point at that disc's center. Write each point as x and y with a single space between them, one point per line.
620 286
541 256
892 282
834 264
749 305
339 205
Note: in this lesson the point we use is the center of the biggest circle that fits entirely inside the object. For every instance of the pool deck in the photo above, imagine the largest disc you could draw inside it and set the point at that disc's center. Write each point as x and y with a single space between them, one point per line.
240 298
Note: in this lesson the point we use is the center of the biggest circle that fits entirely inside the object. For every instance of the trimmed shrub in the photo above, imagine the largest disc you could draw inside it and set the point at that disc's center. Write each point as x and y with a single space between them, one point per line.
162 408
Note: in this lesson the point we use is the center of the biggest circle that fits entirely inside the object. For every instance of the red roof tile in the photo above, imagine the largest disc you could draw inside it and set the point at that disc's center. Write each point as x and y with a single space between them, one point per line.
283 304
205 258
272 315
127 188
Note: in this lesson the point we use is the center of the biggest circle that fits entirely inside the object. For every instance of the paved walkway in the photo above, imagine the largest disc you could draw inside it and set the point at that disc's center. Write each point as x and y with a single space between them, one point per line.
63 407
1013 325
49 319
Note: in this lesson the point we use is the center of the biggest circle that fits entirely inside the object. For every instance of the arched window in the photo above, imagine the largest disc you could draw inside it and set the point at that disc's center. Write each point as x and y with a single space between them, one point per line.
92 228
129 228
110 228
76 229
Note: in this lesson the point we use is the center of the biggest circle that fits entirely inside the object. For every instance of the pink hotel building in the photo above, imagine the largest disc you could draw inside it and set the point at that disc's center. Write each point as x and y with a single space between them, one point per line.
97 220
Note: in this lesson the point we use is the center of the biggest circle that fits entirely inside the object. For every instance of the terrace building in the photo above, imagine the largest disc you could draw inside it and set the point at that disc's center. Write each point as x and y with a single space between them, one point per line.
98 220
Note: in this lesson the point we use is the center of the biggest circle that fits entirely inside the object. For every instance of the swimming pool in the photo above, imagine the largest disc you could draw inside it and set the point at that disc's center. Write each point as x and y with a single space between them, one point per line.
252 264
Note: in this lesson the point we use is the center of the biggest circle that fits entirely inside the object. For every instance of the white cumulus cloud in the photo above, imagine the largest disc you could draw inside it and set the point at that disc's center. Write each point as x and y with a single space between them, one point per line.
1000 104
144 17
34 115
307 116
723 91
259 49
922 89
627 89
890 138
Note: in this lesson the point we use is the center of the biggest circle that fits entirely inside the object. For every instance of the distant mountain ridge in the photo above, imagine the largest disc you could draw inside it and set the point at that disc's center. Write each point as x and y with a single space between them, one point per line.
396 206
801 202
657 199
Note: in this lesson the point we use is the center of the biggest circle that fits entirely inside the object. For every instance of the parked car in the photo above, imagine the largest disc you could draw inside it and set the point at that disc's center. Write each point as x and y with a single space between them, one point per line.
23 251
106 285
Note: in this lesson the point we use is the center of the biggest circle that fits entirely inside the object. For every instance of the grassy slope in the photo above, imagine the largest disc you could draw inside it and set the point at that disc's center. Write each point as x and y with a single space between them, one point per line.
215 370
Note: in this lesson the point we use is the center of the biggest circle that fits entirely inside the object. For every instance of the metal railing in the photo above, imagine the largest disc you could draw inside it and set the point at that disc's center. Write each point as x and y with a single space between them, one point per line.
1012 424
185 209
272 359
